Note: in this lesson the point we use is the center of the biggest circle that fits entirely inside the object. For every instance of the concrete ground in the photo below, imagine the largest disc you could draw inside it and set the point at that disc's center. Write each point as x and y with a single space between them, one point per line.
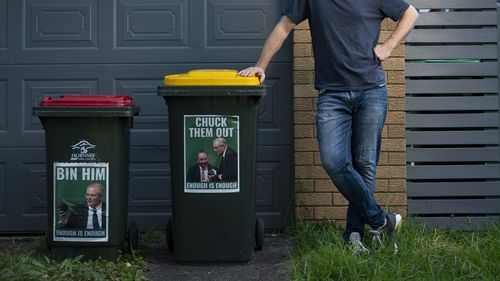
270 264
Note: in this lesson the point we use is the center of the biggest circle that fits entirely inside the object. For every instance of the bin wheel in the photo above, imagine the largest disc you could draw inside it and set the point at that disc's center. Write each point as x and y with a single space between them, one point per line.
259 234
133 237
169 235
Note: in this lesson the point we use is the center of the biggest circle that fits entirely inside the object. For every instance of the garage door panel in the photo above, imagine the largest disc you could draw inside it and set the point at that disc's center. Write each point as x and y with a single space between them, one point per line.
150 154
154 114
271 168
28 84
144 137
240 24
274 109
34 91
150 200
11 110
152 23
24 87
3 188
149 187
24 188
61 24
3 107
274 201
3 25
34 177
30 176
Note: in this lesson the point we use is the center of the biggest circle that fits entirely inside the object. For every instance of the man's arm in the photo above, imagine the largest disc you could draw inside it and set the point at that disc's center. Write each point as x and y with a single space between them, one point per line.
271 47
404 26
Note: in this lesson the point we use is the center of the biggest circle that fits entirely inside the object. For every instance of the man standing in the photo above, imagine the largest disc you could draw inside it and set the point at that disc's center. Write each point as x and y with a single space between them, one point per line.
201 171
352 102
89 215
228 169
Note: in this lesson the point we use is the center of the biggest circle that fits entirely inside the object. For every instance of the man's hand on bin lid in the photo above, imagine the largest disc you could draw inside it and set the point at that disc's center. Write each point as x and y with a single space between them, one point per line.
254 70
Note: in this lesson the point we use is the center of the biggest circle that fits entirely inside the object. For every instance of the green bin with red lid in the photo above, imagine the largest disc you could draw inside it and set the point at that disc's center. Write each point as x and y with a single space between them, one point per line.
87 141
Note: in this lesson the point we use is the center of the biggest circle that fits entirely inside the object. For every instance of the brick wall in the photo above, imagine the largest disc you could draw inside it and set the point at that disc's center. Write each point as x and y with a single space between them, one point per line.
316 196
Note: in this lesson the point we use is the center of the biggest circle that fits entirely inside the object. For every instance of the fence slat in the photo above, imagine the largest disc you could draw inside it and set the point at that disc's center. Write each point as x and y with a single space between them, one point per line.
458 120
452 137
434 172
451 103
463 206
449 189
451 52
463 4
458 18
453 36
466 154
452 86
414 69
459 223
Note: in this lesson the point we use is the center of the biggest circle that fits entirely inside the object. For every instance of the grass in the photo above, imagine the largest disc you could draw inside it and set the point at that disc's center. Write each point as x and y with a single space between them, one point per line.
27 259
319 254
424 254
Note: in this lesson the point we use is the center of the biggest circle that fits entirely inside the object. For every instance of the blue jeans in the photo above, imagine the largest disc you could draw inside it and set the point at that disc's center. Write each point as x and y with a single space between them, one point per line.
349 126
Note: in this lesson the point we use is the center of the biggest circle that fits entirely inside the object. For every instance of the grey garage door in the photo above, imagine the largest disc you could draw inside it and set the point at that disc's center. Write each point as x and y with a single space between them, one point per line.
55 47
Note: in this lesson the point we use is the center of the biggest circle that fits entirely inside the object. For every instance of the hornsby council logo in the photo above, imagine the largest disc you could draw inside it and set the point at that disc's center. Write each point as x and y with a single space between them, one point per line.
83 147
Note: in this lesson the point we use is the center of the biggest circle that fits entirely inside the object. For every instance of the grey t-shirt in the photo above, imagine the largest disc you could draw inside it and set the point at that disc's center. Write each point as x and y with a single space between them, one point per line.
344 33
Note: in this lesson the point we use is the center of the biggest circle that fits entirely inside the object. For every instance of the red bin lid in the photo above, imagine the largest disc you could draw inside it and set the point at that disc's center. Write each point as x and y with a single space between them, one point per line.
87 101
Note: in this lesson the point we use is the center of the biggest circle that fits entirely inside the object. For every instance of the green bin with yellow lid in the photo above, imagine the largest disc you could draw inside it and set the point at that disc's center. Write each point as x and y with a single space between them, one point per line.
213 132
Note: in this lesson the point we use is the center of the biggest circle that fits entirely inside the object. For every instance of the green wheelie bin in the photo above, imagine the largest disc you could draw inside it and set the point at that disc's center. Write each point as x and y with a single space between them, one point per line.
87 141
213 133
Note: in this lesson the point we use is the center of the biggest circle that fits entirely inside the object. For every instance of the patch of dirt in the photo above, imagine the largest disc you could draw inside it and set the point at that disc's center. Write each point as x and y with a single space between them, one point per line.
270 264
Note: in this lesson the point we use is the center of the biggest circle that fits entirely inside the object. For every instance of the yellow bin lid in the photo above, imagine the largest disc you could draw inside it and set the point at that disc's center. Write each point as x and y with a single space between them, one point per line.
210 77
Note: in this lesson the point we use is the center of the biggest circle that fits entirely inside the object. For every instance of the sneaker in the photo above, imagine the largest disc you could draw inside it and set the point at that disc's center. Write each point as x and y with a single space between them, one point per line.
356 244
390 230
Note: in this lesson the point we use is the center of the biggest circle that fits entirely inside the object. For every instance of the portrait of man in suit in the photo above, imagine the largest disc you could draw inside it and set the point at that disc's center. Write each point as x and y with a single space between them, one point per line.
201 171
228 168
90 214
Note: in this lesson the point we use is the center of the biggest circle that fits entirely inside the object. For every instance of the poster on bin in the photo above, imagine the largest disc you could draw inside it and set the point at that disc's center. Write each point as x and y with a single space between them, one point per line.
81 206
211 154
